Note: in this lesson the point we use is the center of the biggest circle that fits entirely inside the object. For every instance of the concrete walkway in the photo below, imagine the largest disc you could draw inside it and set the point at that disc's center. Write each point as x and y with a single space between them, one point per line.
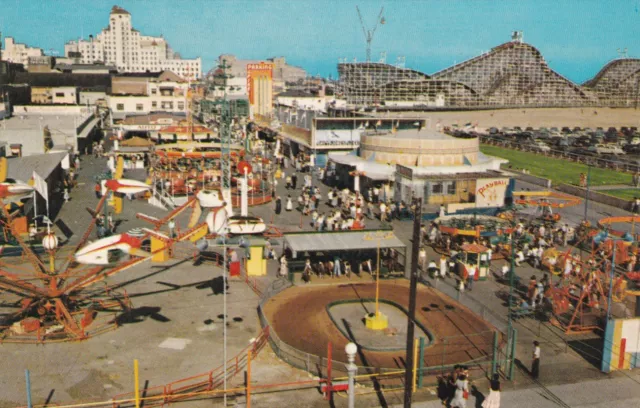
619 392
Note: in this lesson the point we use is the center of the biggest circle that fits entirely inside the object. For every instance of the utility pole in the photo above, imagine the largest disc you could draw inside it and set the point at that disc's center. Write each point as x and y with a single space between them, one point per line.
415 248
368 34
225 134
586 196
512 277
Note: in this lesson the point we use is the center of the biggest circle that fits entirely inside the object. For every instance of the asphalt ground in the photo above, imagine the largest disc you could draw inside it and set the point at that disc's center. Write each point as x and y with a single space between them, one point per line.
177 301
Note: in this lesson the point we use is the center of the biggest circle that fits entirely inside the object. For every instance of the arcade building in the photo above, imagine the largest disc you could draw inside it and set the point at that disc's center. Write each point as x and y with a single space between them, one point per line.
425 163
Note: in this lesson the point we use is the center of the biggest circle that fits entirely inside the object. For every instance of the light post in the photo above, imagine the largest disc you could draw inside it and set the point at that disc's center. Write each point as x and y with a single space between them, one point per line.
224 313
351 349
411 315
50 243
378 321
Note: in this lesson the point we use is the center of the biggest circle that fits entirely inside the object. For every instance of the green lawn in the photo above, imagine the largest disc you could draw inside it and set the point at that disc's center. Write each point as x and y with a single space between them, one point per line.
557 170
624 193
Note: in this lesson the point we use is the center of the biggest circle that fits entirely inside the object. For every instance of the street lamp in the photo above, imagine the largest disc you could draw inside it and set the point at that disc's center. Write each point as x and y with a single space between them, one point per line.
378 321
50 243
351 349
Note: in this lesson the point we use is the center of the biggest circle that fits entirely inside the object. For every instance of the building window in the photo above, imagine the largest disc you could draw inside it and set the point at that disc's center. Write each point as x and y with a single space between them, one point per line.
120 106
451 188
60 94
139 107
154 91
437 188
167 105
180 105
154 104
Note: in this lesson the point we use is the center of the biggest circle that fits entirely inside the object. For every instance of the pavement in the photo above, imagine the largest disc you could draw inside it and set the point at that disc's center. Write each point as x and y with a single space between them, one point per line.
620 392
175 328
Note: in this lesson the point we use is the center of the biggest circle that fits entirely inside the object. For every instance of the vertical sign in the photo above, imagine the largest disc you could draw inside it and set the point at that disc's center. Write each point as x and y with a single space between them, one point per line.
261 69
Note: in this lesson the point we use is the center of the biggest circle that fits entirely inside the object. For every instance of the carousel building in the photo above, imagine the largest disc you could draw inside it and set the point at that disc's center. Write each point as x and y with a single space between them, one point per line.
431 164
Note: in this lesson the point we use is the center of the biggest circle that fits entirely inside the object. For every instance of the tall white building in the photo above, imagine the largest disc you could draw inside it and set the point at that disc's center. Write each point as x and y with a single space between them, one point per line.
18 53
123 46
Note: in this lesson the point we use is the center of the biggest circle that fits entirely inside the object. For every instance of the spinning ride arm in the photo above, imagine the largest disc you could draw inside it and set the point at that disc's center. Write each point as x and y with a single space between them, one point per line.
32 257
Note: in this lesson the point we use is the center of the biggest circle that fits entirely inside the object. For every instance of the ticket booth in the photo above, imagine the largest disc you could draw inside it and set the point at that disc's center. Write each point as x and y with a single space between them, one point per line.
256 262
478 256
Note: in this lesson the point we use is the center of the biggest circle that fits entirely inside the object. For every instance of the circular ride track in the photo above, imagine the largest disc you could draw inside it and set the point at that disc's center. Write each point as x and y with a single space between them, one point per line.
300 318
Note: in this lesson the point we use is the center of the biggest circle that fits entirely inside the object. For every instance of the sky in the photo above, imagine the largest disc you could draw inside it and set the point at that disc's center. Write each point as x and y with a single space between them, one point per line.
576 37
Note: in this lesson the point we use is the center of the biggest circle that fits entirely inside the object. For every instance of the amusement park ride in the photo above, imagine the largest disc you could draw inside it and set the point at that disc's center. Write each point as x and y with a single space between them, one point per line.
591 269
61 301
58 302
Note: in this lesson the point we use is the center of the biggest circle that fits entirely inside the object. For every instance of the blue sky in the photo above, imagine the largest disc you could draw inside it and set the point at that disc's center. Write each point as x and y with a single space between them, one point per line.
576 37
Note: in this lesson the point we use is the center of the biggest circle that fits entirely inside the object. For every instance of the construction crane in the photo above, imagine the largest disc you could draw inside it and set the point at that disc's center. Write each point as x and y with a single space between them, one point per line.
368 34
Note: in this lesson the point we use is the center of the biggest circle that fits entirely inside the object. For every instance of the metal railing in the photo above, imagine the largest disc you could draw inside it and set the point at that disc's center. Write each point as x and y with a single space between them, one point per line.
185 388
466 299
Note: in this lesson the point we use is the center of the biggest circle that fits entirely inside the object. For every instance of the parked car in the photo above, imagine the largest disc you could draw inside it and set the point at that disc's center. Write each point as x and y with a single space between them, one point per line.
606 149
541 146
634 141
583 152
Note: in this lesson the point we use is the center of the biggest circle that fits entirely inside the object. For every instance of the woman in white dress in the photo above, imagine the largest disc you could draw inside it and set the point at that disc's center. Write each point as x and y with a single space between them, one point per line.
284 267
493 400
289 206
462 389
443 266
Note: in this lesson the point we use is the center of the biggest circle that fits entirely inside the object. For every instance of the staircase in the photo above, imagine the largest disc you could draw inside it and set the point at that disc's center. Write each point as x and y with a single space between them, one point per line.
161 199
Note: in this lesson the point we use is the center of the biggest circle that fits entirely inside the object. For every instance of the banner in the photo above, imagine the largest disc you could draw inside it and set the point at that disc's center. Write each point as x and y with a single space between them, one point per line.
491 192
41 186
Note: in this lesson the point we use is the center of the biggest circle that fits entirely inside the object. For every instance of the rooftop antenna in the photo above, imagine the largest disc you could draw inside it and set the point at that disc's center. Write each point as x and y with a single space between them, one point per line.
622 53
383 57
400 61
368 34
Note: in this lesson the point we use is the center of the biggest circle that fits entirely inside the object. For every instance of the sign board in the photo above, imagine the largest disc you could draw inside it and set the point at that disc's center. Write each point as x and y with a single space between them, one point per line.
404 171
40 60
141 127
262 69
338 137
491 192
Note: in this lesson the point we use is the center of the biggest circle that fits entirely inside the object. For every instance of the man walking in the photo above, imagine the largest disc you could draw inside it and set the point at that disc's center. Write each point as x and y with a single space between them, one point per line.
294 181
336 267
172 226
472 276
535 364
422 259
278 208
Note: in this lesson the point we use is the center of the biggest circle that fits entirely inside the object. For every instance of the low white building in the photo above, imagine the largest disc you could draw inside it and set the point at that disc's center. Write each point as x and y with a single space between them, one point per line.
19 53
145 93
43 128
306 100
